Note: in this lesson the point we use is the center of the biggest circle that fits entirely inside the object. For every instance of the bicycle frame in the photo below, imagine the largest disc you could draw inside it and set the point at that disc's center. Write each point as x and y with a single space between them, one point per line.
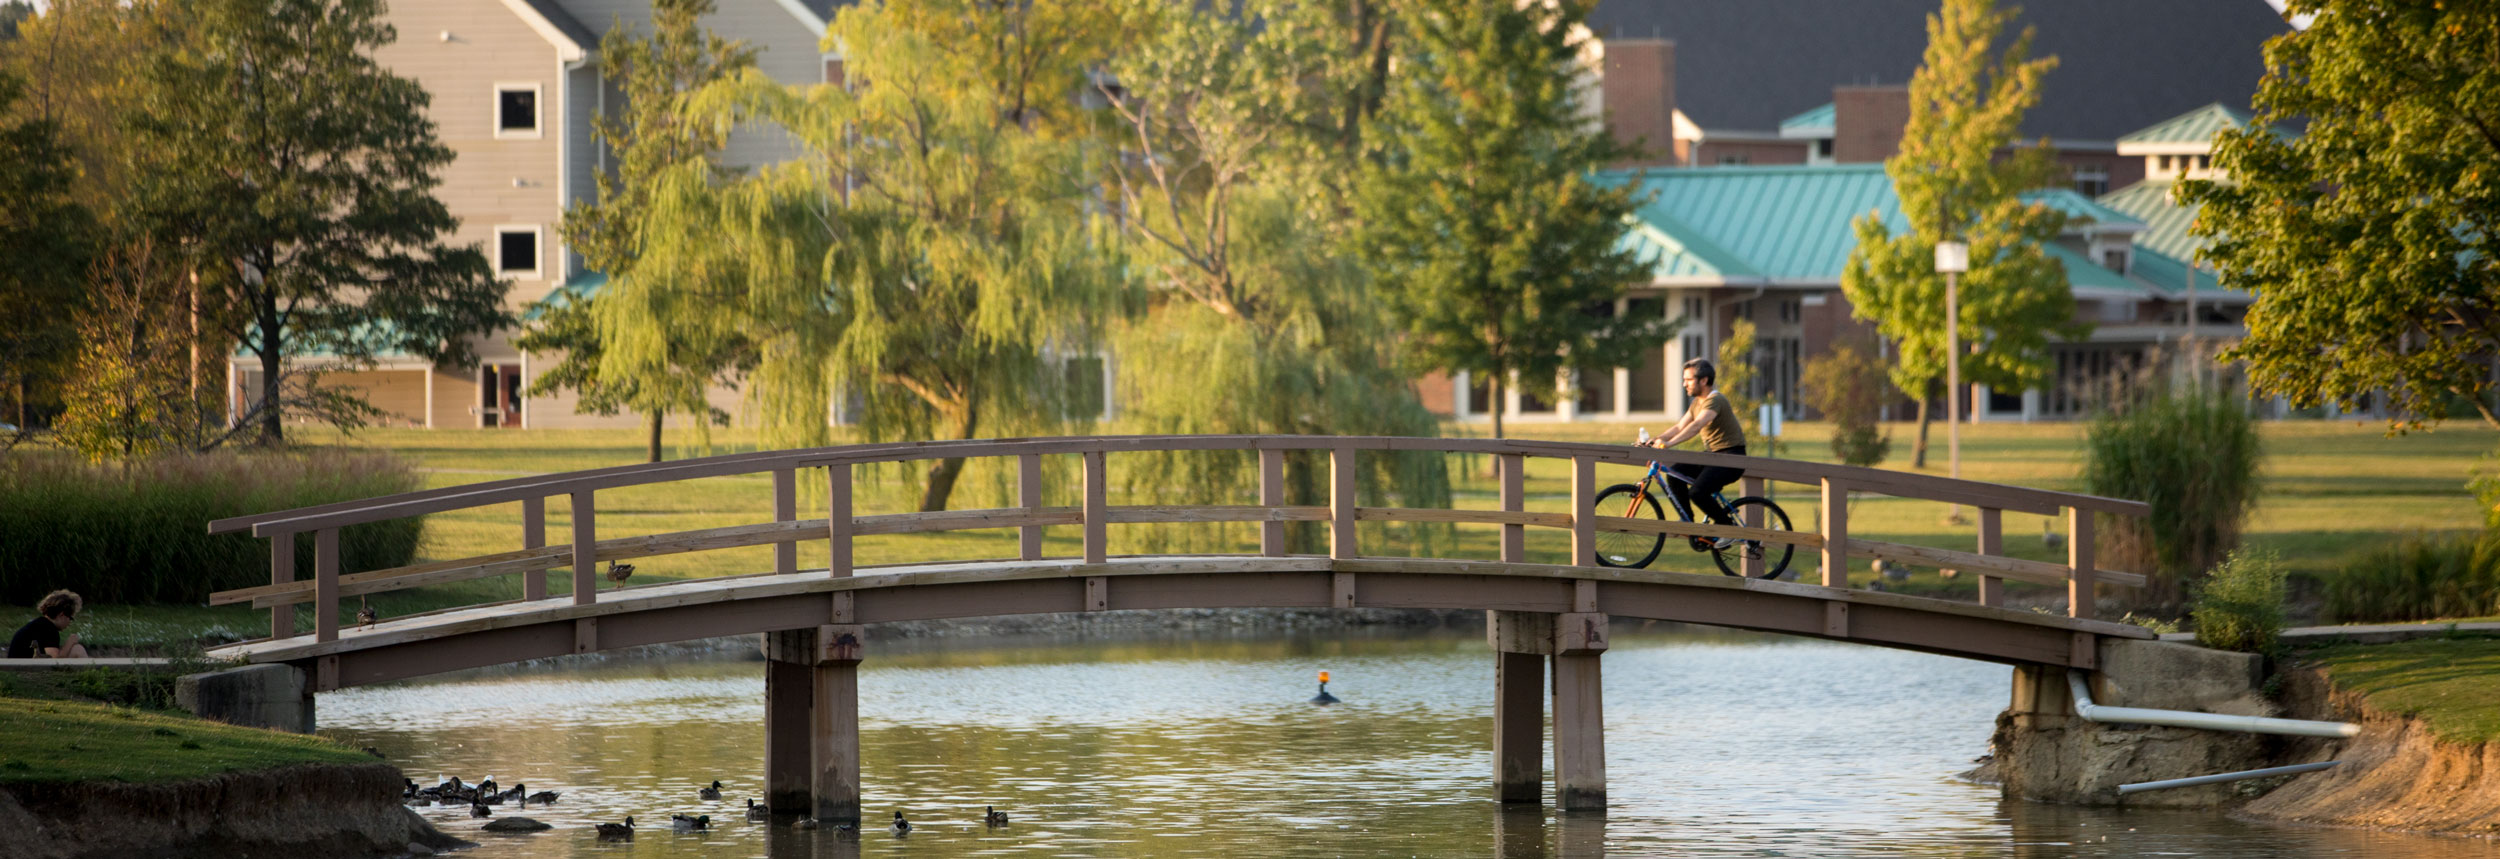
1657 471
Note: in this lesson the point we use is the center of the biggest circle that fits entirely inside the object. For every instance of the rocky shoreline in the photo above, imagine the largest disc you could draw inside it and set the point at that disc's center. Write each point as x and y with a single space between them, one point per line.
307 811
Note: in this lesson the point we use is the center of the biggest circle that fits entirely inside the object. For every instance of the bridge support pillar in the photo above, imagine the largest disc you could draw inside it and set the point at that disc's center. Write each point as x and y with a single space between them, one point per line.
828 658
1521 641
789 745
1579 712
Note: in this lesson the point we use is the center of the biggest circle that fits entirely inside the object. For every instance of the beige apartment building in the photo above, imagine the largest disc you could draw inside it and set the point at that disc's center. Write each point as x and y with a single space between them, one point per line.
515 85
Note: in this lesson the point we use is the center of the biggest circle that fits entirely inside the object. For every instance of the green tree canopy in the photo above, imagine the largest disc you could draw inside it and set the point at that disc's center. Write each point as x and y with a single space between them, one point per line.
930 256
1965 106
635 343
2368 240
1491 235
299 174
47 234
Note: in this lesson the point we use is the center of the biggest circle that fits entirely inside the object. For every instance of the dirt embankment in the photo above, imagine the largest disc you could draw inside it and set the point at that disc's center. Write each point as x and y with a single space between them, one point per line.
2394 776
300 811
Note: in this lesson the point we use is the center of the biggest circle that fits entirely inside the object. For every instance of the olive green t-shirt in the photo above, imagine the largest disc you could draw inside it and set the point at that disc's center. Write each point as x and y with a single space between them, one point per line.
1723 431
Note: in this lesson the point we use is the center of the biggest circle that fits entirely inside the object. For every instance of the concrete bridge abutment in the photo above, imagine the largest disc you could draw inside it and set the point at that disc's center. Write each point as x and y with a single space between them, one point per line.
2043 751
276 696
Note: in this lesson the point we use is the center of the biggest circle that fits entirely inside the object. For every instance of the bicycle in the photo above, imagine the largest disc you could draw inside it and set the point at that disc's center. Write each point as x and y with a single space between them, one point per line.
1623 549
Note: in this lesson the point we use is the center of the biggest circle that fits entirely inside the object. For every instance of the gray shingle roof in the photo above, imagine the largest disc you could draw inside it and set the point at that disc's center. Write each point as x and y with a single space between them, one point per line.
2123 64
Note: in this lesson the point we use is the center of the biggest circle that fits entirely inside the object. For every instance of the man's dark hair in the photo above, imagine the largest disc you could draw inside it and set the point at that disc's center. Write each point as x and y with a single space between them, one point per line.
60 604
1702 370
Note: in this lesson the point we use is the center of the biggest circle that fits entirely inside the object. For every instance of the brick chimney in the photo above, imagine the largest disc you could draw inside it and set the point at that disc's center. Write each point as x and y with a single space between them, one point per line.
1638 92
1867 122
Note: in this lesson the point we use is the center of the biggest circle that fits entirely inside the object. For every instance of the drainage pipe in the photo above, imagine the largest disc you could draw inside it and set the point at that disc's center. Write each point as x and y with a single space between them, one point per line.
2216 778
2209 721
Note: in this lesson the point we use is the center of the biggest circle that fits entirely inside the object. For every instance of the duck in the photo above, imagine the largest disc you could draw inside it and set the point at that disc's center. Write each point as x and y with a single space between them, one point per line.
901 827
544 797
712 792
617 831
683 823
618 572
478 808
992 816
365 615
758 812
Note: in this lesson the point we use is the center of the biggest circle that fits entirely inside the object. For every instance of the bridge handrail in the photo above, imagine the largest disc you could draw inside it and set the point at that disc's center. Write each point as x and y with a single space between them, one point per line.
1836 482
1902 484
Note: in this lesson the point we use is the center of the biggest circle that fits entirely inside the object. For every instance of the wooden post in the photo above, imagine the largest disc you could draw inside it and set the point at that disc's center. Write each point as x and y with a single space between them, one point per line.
1579 720
1514 475
1991 542
2080 563
789 696
1835 534
281 571
838 519
1272 494
1583 525
786 509
585 549
1519 726
1097 509
1029 496
1341 502
835 723
1750 563
533 536
326 584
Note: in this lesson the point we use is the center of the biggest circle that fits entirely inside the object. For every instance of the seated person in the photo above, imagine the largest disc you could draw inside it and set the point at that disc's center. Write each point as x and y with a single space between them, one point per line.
43 636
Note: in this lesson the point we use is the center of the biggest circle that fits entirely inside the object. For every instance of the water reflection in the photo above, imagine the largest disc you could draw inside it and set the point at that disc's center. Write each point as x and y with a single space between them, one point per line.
1726 745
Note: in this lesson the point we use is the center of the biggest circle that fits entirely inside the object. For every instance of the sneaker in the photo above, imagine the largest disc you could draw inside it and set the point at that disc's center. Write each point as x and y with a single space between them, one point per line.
1724 543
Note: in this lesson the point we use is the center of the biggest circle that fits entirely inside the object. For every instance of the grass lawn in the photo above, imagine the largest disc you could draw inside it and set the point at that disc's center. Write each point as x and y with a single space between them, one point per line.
2446 682
2330 488
63 741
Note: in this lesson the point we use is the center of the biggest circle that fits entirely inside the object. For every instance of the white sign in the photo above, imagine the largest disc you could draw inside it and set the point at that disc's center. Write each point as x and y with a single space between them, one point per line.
1767 419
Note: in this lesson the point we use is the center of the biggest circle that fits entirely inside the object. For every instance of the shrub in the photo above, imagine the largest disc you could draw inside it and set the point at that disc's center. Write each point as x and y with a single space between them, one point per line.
2192 456
1849 385
138 532
2240 606
2419 578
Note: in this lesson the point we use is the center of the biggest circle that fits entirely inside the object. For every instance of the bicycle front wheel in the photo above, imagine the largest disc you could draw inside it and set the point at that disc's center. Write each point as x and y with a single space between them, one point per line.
1774 556
1620 549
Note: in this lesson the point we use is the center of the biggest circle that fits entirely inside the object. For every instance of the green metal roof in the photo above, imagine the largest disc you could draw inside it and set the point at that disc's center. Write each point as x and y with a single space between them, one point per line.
1783 223
1818 118
581 286
2195 126
2165 221
2079 206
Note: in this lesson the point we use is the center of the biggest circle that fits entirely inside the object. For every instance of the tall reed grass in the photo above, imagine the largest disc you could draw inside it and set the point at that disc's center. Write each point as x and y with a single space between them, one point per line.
2422 577
137 532
2190 454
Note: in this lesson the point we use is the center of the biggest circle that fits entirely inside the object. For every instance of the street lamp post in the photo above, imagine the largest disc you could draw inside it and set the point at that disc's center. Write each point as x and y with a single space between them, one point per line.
1953 258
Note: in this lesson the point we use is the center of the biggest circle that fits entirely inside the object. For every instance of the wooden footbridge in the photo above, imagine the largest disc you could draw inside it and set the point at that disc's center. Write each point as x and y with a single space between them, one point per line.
1538 614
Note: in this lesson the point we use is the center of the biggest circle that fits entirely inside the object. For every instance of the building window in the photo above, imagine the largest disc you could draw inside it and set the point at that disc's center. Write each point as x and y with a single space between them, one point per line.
2204 162
1823 147
2091 181
2165 164
1734 158
516 252
516 111
2115 260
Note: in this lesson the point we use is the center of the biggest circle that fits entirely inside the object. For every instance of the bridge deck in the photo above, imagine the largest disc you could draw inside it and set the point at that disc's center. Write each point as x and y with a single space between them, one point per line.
676 611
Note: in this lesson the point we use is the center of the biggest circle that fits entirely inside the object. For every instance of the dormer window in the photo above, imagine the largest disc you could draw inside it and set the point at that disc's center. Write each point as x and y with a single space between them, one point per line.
2091 181
2114 259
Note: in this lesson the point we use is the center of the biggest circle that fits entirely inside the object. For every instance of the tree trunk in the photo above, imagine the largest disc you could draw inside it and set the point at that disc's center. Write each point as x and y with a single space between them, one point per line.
272 365
1918 451
1493 391
942 474
656 418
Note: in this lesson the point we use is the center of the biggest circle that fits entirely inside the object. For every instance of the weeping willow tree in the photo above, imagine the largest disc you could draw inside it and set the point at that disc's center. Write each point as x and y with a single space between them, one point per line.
1252 324
927 259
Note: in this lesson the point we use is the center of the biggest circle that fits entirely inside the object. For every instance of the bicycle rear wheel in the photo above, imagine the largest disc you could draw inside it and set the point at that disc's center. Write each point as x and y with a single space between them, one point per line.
1774 555
1620 549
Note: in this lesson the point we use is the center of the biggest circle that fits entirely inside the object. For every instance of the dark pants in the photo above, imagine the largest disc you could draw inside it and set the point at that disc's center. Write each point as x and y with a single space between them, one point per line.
1707 480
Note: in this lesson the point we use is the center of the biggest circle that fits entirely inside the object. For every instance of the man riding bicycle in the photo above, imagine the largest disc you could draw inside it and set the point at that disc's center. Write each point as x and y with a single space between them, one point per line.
1711 418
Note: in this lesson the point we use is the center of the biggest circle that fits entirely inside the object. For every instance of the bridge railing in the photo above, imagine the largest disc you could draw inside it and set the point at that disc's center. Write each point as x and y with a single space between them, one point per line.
1830 539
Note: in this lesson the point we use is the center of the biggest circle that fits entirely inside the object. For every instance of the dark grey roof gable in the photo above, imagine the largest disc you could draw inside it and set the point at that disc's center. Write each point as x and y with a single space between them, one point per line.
2122 64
